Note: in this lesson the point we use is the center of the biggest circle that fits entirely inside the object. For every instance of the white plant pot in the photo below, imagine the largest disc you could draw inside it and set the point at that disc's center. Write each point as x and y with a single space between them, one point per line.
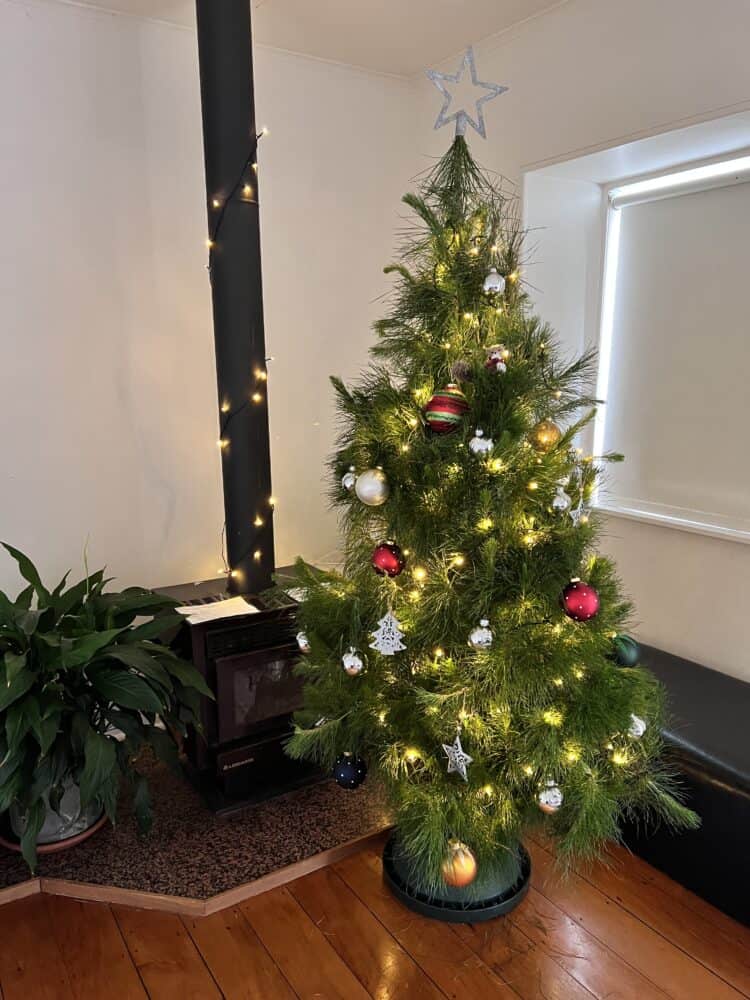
71 820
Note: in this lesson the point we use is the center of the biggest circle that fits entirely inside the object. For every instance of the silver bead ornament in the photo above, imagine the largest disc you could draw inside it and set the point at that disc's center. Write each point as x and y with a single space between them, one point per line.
372 487
479 444
349 479
352 662
481 637
303 642
561 501
637 727
494 283
550 798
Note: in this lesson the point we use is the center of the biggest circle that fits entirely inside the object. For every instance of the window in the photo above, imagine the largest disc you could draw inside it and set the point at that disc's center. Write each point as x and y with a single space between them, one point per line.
675 350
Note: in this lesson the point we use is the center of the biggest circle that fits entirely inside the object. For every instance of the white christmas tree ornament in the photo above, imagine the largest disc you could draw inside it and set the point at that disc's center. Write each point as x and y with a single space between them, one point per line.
386 638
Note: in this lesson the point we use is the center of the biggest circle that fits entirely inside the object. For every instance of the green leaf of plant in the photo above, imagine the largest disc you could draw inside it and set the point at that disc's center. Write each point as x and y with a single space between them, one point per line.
188 676
19 719
153 629
72 600
142 805
46 731
34 822
28 620
14 664
29 572
18 687
23 601
134 656
100 762
124 688
7 610
85 648
164 747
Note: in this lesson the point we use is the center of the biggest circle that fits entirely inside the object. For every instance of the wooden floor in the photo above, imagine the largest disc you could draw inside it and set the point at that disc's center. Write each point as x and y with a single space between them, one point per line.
623 932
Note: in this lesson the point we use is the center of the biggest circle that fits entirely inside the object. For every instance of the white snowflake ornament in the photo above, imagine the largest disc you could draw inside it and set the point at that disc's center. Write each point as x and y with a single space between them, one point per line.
637 727
386 638
550 798
458 759
352 662
479 444
481 637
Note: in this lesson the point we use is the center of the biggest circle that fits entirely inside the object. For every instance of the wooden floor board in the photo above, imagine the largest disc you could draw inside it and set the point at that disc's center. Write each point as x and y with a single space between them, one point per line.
95 955
164 954
606 933
31 964
525 967
238 960
378 961
666 966
653 901
605 974
434 946
300 949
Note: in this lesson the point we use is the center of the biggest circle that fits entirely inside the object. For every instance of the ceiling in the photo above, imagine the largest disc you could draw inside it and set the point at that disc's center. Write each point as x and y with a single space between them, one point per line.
390 36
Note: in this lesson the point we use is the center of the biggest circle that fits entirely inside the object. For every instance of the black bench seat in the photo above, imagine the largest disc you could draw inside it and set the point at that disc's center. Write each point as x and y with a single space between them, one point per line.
708 735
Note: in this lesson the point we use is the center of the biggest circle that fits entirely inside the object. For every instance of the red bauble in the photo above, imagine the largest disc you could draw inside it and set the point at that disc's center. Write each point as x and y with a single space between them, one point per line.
388 559
445 411
579 601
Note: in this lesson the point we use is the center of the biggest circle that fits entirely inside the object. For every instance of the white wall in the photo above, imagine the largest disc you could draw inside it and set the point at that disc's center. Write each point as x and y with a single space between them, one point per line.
591 74
107 386
333 170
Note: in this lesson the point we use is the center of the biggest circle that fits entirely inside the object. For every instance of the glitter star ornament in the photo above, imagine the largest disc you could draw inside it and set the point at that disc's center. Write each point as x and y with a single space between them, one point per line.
458 760
388 635
461 116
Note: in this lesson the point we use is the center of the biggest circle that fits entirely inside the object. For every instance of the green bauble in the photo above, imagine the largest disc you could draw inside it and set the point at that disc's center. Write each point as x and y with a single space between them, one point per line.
625 651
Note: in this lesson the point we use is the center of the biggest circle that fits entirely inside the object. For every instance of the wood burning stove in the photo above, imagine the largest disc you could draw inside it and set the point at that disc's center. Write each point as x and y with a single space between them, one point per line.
248 662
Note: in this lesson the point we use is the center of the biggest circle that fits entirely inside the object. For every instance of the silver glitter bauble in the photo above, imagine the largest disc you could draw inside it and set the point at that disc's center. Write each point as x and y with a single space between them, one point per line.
461 371
349 479
352 662
494 283
481 637
561 501
637 727
479 444
303 642
550 798
372 487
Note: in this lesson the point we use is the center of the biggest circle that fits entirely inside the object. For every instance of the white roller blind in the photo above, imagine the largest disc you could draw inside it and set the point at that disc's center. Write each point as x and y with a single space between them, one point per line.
678 404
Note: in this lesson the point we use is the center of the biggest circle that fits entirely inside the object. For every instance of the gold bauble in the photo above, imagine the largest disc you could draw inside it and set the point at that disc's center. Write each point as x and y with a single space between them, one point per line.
460 866
545 435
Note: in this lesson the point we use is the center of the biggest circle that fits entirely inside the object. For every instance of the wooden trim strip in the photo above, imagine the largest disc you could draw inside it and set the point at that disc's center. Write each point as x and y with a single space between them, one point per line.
19 891
274 879
123 897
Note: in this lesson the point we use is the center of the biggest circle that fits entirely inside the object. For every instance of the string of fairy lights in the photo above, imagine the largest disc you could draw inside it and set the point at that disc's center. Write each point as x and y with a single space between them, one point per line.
243 191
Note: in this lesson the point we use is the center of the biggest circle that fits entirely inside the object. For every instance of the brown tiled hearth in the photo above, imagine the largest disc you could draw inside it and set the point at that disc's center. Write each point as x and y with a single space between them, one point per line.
191 857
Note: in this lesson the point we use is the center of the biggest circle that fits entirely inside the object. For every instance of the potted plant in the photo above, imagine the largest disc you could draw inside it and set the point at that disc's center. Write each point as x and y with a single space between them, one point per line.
84 685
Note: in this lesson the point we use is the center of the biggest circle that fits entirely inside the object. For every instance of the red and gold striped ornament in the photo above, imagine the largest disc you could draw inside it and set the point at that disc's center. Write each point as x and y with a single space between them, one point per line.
446 410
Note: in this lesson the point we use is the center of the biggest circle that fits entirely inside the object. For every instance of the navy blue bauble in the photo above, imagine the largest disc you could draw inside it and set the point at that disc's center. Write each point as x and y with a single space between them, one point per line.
349 771
625 651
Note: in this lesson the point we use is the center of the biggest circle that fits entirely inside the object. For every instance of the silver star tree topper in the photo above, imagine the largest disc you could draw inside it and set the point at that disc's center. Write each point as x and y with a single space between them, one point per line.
457 757
461 117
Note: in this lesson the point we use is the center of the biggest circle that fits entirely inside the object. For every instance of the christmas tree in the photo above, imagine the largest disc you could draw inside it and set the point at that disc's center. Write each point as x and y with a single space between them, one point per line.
468 651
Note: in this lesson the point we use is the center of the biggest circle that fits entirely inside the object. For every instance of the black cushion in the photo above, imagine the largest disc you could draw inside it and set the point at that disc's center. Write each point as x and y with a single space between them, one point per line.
709 715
